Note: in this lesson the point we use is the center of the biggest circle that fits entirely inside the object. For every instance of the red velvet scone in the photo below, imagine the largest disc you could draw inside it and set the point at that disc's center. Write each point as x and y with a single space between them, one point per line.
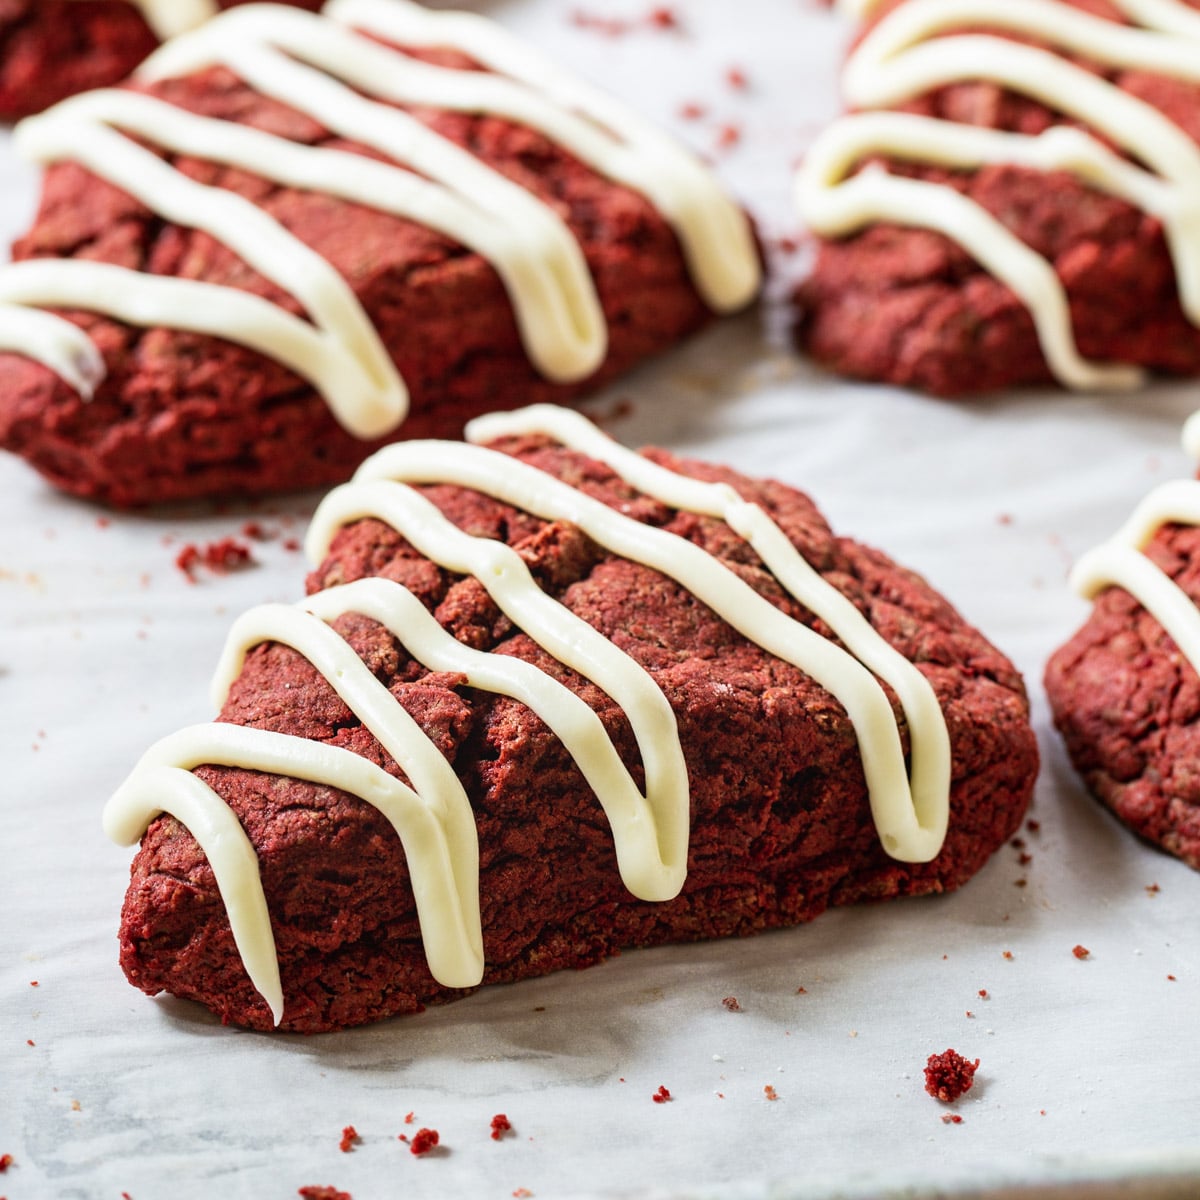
51 49
548 699
1012 200
1125 690
290 242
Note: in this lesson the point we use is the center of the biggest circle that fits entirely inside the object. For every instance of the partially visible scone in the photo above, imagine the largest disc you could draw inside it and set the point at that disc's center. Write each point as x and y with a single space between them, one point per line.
51 49
345 243
1008 201
679 781
1125 690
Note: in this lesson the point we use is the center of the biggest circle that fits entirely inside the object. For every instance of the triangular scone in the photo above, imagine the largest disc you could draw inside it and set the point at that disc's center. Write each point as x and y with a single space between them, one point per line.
679 780
296 237
1125 689
1012 198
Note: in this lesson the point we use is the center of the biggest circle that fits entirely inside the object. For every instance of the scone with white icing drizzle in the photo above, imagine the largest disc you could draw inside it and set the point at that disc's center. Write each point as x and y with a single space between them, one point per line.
1013 198
295 238
548 699
51 49
1125 690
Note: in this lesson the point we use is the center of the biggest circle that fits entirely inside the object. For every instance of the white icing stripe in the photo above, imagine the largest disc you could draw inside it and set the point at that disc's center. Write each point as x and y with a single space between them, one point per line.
650 831
167 18
910 820
1121 562
571 640
348 83
897 61
899 820
442 852
610 137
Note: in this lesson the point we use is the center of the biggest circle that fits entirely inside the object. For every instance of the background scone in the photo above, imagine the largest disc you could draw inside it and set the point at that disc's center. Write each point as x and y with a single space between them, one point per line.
51 49
1125 690
1012 200
290 242
678 707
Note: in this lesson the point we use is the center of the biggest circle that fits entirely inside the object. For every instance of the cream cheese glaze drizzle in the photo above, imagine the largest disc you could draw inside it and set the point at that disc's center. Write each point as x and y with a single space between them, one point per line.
1122 562
330 69
906 55
432 817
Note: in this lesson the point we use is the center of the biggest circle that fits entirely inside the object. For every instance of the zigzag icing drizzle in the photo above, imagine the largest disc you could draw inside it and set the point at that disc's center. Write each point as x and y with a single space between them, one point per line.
432 817
905 55
331 70
167 18
1121 561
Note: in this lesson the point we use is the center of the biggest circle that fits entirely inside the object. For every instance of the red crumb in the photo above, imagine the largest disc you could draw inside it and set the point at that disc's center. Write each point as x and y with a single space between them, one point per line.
1172 978
787 245
6 1161
1032 825
1020 883
408 1118
692 110
1007 954
661 1096
802 991
29 1041
291 543
949 1075
1004 519
1153 889
731 1003
770 1092
983 993
970 1013
349 1137
1080 951
951 1119
1017 843
33 983
522 1194
424 1140
314 1192
103 522
226 554
728 136
500 1126
656 18
1024 858
736 78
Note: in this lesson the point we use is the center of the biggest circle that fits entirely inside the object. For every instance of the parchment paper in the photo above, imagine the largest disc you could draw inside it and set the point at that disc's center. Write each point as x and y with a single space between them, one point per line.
1089 1082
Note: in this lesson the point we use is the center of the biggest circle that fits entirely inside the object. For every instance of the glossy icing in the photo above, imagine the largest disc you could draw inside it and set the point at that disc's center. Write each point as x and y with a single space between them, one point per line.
1121 561
926 44
330 69
433 817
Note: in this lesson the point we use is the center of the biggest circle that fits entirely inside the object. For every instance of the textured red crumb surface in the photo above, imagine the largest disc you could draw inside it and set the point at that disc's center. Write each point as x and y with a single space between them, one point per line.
949 1075
349 1138
781 824
1127 704
661 1096
50 49
181 416
1080 951
500 1126
910 307
6 1161
322 1192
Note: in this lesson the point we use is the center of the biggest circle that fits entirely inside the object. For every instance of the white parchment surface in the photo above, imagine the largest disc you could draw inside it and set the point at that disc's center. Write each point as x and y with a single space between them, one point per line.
1089 1082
